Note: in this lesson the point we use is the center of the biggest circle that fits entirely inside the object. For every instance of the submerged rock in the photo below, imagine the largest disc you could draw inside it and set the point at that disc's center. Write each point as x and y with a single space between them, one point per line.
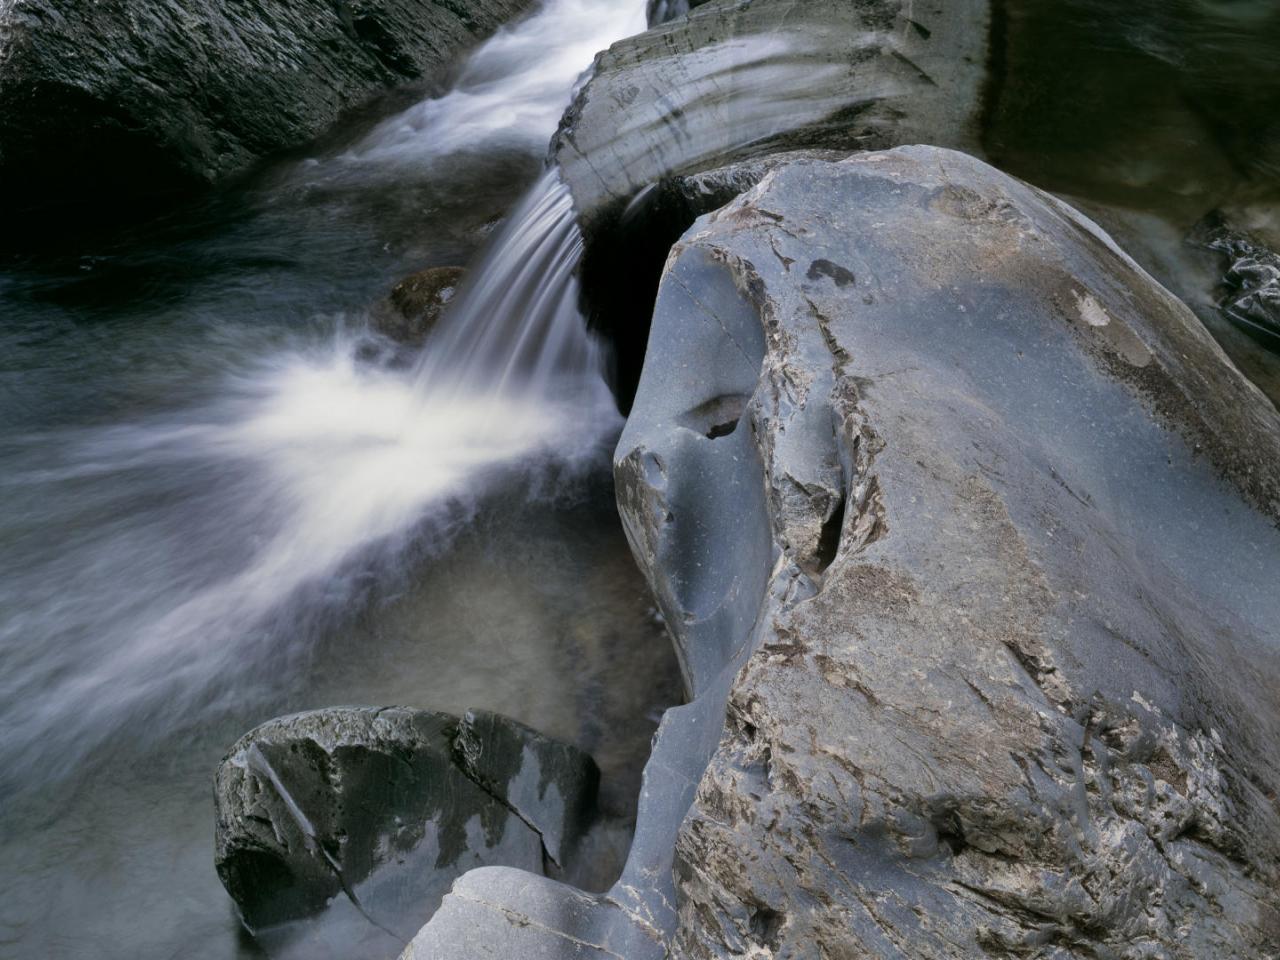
415 304
339 830
966 533
112 100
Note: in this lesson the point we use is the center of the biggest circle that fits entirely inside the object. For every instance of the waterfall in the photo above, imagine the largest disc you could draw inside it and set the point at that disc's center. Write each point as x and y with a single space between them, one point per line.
514 326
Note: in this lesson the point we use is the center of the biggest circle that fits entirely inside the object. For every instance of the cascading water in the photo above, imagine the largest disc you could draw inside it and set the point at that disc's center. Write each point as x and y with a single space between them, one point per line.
311 458
515 327
228 481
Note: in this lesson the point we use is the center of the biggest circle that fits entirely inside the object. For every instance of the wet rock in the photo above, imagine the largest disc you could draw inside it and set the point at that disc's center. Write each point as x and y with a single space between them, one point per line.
549 785
339 830
1250 281
737 79
415 304
965 531
505 912
624 257
171 95
672 120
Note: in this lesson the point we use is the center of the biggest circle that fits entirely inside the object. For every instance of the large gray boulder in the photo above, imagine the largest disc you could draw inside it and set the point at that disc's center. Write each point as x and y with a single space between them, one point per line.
1013 688
676 121
142 98
339 830
966 533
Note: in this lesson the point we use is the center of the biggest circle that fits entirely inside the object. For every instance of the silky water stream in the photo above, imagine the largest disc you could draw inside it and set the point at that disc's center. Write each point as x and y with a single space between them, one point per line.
223 498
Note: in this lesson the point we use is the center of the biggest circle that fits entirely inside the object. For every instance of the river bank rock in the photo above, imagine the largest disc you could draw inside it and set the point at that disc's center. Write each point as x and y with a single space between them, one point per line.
966 534
414 305
136 99
339 830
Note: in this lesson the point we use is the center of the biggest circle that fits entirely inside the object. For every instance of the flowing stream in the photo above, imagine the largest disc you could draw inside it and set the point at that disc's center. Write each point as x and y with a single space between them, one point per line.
224 498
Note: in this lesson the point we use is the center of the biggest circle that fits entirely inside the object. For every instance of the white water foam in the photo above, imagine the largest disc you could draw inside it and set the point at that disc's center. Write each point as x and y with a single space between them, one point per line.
511 92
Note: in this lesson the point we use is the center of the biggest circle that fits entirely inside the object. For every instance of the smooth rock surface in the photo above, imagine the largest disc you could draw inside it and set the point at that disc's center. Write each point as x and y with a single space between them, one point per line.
147 98
736 79
966 534
339 830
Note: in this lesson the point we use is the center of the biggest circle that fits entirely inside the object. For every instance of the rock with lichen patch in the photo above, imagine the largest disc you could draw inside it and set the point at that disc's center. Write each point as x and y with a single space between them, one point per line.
966 534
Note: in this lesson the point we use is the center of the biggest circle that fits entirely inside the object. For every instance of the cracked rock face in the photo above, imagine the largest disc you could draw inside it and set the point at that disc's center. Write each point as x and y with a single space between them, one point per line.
339 830
172 94
993 523
966 535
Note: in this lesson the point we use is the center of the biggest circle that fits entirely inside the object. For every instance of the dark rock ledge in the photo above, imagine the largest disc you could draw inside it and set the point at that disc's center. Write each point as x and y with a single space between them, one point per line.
115 100
967 534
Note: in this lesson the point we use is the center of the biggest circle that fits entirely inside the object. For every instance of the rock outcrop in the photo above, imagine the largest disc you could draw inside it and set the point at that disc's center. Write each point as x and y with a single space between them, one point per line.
676 121
115 100
339 830
966 533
